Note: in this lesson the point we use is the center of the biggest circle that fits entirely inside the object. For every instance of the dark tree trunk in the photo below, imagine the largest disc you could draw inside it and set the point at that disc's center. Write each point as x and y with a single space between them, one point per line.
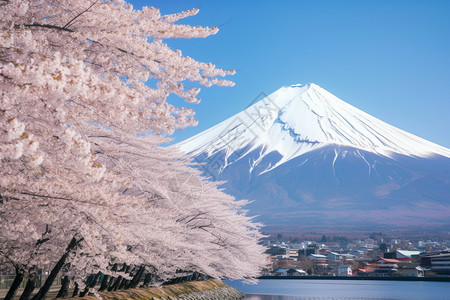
137 278
111 283
195 276
48 283
29 287
124 281
116 283
75 290
86 289
95 280
123 284
147 280
15 286
107 280
64 290
104 284
91 282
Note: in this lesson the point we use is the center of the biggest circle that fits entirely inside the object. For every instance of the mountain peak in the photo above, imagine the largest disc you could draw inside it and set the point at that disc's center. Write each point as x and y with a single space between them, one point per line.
302 85
300 118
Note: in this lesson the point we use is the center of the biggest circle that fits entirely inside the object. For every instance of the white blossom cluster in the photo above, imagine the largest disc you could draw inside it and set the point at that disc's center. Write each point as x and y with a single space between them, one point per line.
75 100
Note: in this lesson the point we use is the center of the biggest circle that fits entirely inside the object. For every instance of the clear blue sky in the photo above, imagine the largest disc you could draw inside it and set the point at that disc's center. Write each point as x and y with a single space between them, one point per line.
389 58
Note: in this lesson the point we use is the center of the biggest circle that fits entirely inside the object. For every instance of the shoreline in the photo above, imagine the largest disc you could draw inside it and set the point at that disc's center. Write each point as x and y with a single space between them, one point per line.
437 278
191 290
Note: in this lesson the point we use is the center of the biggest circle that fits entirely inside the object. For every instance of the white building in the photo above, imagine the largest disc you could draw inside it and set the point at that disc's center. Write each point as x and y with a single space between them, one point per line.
412 271
296 272
405 255
280 272
345 270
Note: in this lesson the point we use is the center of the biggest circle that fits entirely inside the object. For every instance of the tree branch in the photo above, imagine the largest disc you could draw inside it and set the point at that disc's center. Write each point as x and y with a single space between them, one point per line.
76 17
49 26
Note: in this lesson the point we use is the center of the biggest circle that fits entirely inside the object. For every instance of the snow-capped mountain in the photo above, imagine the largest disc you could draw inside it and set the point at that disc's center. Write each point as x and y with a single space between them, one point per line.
308 158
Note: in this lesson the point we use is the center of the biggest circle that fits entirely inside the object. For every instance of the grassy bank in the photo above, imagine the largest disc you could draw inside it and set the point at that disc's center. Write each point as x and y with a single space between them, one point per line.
159 292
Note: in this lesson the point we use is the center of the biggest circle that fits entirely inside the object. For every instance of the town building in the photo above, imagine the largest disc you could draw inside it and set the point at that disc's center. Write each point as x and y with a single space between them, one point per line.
333 256
280 272
439 263
412 270
309 249
406 255
293 253
296 272
387 266
276 250
318 260
345 270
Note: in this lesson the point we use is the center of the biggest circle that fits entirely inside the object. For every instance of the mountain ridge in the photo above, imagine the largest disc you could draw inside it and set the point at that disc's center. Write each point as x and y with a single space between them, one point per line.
301 152
271 121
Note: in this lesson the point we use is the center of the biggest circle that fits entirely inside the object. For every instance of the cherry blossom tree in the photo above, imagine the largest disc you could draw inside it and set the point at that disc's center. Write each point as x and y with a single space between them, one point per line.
84 184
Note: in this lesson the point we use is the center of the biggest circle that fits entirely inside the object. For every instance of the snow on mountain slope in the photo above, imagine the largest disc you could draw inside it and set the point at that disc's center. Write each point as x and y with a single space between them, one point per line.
309 160
301 118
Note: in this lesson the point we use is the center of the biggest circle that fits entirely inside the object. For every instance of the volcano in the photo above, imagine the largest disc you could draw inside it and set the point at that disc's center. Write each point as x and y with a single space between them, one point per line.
309 160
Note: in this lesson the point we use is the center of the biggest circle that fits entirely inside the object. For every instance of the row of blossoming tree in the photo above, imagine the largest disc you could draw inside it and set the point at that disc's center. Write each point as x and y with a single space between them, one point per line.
85 188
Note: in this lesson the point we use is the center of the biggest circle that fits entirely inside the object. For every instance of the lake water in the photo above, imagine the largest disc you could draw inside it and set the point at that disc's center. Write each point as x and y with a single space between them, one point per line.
306 289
